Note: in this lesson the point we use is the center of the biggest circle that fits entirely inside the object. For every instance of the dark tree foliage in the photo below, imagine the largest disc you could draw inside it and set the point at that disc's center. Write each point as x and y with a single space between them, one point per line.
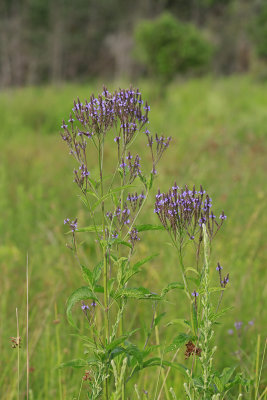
53 40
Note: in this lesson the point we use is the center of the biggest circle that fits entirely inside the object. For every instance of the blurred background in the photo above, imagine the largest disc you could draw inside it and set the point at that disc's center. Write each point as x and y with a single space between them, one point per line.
45 41
202 67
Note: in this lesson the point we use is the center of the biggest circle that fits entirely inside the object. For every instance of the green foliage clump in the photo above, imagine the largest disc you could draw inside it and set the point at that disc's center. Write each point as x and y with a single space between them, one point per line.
168 46
259 32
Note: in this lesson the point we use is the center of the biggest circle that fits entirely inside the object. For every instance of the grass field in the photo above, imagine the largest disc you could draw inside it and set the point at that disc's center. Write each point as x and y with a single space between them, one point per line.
219 131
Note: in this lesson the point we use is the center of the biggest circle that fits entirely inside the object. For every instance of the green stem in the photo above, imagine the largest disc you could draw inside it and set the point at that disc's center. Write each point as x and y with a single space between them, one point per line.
105 273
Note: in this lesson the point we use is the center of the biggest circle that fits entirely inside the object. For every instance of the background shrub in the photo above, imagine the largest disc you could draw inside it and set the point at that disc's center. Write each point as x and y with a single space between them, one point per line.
168 46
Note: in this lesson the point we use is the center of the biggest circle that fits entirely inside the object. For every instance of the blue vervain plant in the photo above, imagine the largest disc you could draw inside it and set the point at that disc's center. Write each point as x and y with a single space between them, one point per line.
114 200
188 218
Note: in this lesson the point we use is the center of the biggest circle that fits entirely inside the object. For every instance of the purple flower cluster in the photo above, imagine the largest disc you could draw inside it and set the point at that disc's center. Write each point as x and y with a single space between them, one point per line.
135 200
131 167
133 236
183 211
72 224
225 280
157 147
123 109
121 216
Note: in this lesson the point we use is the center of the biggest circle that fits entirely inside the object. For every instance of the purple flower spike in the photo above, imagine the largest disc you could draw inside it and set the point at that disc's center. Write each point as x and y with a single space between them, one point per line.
93 304
219 267
238 325
84 307
195 294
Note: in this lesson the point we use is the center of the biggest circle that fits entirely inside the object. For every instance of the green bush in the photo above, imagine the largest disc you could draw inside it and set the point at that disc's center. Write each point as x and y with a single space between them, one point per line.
168 46
259 32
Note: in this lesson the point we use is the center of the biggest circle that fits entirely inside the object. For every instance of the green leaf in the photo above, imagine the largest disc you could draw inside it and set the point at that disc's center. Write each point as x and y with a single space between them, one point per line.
77 363
159 318
136 268
111 346
88 276
192 270
83 293
97 272
178 342
227 374
212 289
145 260
118 241
171 286
109 194
215 316
180 367
90 228
218 384
179 321
136 293
196 281
149 227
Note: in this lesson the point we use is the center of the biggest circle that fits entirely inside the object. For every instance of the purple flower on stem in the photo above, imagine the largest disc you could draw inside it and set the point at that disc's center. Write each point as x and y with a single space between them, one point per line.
230 331
222 216
219 267
84 307
195 294
238 325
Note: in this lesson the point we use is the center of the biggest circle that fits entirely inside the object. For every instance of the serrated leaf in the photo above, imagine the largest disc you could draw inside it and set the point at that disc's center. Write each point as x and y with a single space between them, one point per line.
97 272
111 346
136 268
178 342
212 289
118 241
192 270
90 228
171 286
149 227
179 321
215 316
136 293
83 293
88 276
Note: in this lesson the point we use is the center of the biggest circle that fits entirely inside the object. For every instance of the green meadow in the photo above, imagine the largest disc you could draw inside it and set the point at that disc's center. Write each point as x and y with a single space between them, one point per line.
219 130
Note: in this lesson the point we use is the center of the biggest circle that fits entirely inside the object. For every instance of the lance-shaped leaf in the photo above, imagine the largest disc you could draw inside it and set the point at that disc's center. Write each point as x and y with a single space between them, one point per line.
149 227
83 293
178 342
171 286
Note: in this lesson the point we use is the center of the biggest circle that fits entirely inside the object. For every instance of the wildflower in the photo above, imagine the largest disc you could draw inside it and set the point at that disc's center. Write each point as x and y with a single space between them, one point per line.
133 234
230 331
72 224
84 307
238 325
195 294
183 211
219 267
